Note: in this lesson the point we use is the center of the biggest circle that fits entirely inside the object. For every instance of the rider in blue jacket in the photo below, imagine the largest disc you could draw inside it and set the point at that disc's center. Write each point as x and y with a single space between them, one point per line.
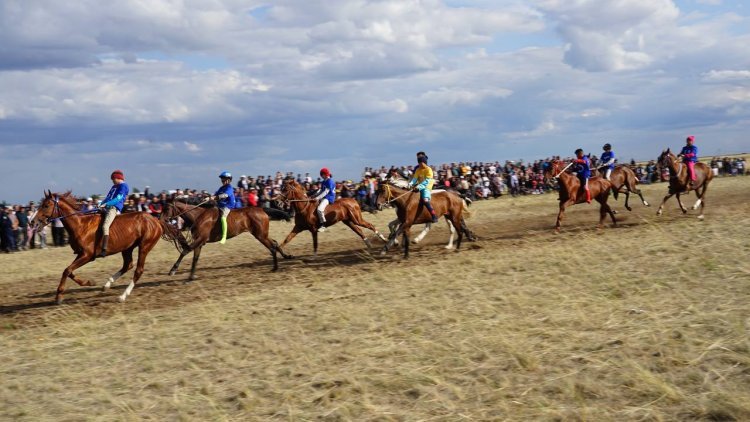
225 200
689 156
608 160
326 195
112 205
583 171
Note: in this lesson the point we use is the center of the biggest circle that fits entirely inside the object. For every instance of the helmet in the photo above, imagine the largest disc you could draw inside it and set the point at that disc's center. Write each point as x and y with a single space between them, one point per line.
225 175
422 159
325 172
607 146
118 174
578 150
691 138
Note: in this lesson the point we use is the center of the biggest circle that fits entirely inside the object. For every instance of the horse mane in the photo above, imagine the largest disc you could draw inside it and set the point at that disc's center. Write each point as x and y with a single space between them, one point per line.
398 182
69 199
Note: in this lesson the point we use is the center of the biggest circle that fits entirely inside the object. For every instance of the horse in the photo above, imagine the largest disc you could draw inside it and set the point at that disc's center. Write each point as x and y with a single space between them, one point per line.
127 232
678 181
571 192
202 220
410 211
394 225
624 180
346 210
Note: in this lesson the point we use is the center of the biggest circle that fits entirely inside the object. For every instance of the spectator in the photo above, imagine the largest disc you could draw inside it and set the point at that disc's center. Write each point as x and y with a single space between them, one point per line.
22 237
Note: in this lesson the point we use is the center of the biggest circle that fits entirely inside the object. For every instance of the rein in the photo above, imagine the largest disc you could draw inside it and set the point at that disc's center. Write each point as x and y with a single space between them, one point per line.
189 209
62 217
390 194
563 170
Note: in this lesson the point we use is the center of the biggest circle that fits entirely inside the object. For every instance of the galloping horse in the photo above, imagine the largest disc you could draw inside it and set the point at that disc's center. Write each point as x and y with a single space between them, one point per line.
411 211
624 180
203 228
571 192
128 231
385 195
678 181
346 210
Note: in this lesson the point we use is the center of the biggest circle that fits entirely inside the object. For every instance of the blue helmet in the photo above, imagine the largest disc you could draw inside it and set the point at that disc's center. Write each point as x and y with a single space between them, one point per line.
225 175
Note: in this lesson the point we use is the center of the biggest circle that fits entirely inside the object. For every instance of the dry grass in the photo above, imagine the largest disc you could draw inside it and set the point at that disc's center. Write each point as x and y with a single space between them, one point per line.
630 323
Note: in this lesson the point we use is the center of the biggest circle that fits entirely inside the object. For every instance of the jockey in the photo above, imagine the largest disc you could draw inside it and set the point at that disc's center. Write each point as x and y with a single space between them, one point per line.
112 205
422 182
689 156
326 195
225 200
608 160
583 171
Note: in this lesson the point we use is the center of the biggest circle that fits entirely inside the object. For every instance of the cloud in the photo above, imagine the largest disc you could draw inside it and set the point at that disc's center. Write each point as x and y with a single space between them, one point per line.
192 147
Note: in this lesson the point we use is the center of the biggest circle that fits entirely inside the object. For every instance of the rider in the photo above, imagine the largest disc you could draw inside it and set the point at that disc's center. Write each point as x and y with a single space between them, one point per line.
224 198
584 172
608 160
422 182
326 195
112 205
689 156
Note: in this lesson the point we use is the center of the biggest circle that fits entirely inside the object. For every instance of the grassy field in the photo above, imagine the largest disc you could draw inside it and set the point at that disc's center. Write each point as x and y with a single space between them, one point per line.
645 321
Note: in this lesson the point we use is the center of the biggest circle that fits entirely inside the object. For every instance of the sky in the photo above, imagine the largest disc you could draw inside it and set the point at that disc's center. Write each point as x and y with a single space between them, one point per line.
173 92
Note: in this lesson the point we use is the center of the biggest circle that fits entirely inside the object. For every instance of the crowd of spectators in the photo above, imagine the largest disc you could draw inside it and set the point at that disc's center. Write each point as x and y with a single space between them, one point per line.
473 180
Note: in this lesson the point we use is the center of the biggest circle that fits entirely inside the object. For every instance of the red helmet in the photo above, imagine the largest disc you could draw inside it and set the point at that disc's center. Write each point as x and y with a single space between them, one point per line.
325 172
118 174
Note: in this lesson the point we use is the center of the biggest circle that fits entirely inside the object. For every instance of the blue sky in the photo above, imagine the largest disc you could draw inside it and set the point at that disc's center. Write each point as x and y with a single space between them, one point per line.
175 92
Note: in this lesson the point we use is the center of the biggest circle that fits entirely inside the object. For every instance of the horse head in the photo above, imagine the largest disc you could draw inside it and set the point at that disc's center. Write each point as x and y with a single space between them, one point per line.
667 160
290 189
48 210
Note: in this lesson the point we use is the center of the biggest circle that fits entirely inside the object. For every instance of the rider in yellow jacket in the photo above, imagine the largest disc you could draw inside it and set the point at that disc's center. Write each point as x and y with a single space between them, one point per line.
422 182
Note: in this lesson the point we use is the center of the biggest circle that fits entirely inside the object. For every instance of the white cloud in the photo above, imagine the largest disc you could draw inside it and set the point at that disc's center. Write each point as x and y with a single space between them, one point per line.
192 147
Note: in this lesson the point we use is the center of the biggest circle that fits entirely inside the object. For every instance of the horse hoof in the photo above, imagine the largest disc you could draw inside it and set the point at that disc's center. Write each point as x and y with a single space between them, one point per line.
172 272
449 247
106 287
382 253
700 217
58 301
646 204
121 298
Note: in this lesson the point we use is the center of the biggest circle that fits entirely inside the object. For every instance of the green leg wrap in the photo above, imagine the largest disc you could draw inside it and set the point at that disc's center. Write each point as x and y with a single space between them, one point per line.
223 230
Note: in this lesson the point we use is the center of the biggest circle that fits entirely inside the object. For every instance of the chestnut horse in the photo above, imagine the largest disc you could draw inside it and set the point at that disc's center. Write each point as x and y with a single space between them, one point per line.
202 220
411 211
385 196
346 210
624 180
678 181
127 232
571 192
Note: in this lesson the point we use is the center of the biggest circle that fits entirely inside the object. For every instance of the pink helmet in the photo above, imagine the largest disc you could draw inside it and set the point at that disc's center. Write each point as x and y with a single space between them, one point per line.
691 138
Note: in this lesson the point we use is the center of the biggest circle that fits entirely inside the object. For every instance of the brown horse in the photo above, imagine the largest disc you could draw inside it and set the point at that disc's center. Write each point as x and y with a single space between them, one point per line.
411 211
571 192
624 180
678 181
203 219
346 210
128 231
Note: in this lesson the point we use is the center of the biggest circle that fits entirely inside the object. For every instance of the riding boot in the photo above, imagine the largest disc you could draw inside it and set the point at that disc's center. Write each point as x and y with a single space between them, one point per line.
105 239
321 221
223 230
588 195
432 211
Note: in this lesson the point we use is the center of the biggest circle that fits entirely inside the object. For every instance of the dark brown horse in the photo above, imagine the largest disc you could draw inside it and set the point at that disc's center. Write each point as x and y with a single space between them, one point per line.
624 180
571 192
203 219
678 181
346 210
411 211
128 231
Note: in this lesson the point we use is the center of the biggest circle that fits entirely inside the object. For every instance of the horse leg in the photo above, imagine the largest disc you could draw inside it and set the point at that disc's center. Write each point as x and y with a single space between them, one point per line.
661 207
457 223
196 257
271 245
80 260
295 231
127 264
423 233
701 200
359 232
393 240
627 198
358 220
315 242
561 213
176 265
679 201
143 251
605 209
453 232
405 230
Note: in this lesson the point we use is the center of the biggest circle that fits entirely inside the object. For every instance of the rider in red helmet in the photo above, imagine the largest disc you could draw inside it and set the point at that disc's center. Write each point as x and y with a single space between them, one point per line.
326 195
112 205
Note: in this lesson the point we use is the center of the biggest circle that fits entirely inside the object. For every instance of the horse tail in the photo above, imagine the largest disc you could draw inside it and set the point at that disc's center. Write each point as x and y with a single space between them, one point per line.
173 235
465 206
277 215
